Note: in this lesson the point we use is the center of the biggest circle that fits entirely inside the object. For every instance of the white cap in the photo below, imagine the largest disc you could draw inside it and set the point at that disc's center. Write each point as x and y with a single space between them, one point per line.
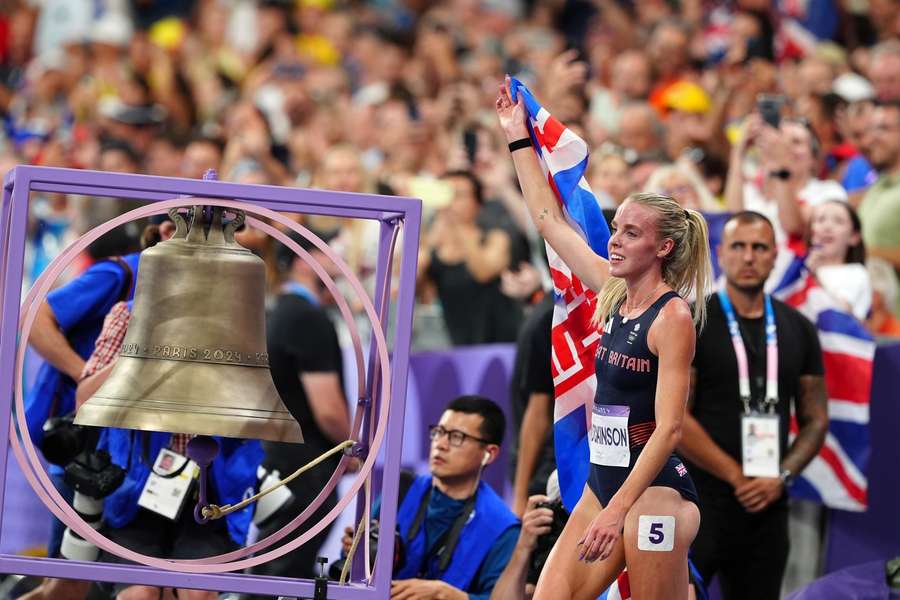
853 87
113 28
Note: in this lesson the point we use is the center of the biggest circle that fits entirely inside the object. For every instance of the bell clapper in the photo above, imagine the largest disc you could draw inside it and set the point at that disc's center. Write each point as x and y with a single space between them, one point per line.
202 449
204 512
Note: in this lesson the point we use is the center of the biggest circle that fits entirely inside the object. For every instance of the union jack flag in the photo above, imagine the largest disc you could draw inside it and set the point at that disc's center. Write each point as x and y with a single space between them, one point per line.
837 476
564 158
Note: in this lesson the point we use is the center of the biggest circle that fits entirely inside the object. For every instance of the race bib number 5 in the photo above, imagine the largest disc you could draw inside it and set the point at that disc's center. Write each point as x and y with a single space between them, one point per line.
656 533
608 437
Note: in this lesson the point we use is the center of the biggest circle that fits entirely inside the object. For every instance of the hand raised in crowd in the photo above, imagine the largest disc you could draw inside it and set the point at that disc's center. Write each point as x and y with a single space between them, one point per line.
753 126
602 534
511 114
773 147
424 589
564 73
535 522
522 283
758 493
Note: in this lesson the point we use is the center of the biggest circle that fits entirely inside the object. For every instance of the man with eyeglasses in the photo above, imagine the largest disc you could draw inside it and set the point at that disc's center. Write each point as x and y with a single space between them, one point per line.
456 533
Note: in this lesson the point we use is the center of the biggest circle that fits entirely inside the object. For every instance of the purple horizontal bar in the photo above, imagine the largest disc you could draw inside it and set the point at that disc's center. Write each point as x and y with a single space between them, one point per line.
240 582
294 197
108 192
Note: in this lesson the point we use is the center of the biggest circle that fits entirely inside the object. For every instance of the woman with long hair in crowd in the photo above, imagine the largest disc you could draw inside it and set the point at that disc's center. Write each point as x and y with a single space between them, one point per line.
639 507
837 256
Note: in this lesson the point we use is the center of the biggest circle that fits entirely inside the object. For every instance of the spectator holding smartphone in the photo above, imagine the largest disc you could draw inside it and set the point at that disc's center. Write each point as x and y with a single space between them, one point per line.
783 186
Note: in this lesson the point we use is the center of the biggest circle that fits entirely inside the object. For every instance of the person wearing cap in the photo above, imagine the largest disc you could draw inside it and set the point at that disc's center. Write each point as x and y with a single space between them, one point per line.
851 118
307 368
688 112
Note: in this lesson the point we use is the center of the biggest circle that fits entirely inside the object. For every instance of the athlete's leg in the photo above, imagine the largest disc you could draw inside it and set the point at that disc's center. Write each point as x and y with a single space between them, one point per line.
659 530
564 576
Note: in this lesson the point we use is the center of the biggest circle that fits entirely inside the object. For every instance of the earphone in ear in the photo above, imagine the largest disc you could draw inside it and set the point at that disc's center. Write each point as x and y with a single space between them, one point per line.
487 457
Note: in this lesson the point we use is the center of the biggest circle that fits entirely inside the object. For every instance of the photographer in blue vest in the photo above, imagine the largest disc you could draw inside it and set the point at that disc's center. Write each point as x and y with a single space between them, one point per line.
456 533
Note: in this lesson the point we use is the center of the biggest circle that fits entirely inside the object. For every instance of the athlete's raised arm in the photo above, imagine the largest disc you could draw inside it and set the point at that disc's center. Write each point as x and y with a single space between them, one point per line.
548 218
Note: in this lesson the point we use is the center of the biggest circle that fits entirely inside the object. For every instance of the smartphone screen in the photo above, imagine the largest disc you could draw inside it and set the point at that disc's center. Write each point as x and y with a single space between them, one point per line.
769 108
470 141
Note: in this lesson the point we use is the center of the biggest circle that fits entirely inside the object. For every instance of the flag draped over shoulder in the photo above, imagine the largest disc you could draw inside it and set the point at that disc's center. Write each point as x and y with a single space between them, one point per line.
564 158
837 476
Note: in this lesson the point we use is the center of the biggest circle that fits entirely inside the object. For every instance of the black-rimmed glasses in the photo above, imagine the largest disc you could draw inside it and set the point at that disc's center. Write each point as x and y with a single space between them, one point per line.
456 437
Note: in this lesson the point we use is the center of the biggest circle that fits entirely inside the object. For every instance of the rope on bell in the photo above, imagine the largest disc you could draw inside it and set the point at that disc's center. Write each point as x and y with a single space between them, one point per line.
345 570
214 511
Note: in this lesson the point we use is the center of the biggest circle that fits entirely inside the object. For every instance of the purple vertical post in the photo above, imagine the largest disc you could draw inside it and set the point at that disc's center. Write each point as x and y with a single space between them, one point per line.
8 182
383 270
14 242
397 406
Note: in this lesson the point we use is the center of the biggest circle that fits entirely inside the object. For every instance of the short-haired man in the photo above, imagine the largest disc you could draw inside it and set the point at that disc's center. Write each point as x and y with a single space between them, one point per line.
880 208
457 534
736 431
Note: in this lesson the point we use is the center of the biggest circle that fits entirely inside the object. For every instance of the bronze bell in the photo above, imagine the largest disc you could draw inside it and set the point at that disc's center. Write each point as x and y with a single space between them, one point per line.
194 358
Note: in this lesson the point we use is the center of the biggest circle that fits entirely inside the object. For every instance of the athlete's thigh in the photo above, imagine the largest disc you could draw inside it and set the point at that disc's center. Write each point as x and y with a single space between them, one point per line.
564 576
659 530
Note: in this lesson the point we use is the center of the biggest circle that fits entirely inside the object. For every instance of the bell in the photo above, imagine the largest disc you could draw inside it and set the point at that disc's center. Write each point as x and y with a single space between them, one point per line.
194 357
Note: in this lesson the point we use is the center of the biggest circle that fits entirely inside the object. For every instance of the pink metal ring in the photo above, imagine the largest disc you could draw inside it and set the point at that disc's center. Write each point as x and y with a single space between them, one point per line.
51 498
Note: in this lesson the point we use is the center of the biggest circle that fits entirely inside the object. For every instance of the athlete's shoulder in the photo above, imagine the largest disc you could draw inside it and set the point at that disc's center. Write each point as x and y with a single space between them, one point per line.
676 312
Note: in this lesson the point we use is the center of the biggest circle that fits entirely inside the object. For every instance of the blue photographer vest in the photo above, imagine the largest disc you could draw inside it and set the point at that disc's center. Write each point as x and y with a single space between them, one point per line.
79 307
488 521
233 475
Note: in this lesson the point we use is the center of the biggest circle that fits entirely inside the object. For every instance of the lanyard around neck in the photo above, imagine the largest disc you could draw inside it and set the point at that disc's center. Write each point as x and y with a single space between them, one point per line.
740 353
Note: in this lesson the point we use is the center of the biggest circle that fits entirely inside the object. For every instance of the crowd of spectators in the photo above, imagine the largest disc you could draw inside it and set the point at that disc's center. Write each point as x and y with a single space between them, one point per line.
396 97
791 109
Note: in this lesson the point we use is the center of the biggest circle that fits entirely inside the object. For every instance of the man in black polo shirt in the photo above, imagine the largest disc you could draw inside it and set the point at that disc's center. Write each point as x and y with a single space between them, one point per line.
307 369
736 432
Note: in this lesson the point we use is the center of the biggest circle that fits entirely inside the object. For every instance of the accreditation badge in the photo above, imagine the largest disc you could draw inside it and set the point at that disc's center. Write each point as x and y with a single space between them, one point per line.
608 437
169 483
759 445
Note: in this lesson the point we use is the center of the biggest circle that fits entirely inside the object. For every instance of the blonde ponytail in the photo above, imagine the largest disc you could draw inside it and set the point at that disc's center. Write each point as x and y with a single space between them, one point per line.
687 269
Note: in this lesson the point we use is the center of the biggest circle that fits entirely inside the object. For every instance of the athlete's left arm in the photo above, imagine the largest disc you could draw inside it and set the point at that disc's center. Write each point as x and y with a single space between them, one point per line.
812 418
673 338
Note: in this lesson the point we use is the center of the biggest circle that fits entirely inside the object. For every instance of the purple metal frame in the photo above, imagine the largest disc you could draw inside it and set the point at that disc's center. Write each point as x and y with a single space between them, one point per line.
390 211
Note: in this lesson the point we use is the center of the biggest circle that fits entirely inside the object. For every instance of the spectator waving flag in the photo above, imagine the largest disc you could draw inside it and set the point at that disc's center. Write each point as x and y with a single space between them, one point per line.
564 158
836 477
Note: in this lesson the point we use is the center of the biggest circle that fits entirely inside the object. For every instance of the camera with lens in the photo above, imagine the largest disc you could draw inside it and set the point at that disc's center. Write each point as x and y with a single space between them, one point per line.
545 542
63 440
93 474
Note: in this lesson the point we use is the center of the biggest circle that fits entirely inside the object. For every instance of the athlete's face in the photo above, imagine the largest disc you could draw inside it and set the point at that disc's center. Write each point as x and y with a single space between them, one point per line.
634 246
449 461
747 254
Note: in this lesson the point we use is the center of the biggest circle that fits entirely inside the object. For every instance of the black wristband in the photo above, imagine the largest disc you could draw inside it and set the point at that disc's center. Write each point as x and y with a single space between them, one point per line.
783 174
519 144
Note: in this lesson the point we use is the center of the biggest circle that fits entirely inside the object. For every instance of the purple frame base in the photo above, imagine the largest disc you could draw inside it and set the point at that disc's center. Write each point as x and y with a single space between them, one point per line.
389 210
